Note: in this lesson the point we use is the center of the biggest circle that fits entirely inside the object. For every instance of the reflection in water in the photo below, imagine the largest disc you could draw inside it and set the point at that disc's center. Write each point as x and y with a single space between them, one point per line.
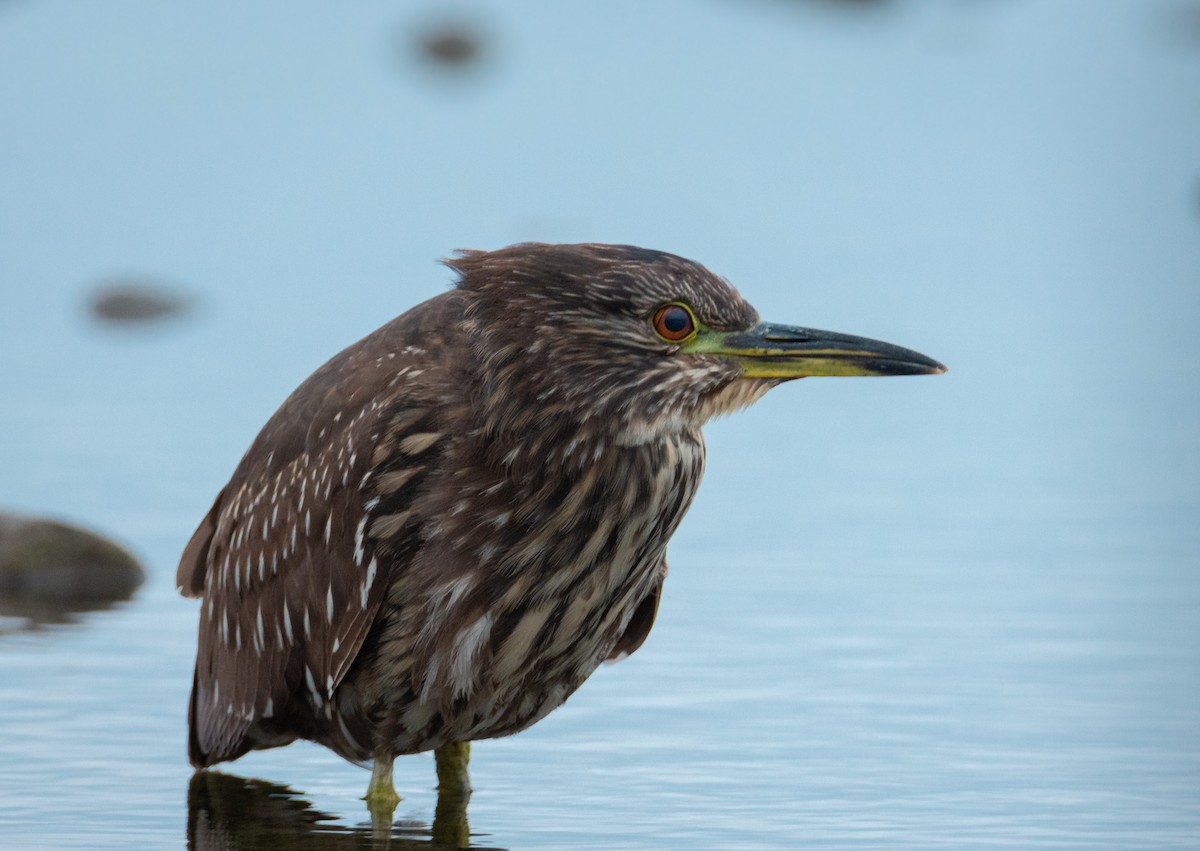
234 813
33 613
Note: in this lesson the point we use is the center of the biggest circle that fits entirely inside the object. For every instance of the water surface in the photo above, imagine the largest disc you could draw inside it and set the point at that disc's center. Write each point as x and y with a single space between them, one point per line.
916 613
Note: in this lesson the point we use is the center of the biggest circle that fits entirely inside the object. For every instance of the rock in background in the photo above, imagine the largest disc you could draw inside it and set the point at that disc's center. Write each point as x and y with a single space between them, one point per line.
49 568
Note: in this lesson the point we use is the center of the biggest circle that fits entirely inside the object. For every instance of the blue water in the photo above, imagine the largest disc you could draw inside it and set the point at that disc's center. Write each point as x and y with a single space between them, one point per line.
949 612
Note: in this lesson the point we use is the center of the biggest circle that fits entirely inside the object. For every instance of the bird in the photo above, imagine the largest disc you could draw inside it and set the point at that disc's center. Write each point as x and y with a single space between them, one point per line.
445 529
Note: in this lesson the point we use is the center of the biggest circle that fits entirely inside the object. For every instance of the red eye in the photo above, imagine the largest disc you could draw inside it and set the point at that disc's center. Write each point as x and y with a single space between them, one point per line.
674 323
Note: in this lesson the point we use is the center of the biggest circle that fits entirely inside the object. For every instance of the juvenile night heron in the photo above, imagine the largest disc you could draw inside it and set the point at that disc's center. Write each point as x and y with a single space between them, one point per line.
445 530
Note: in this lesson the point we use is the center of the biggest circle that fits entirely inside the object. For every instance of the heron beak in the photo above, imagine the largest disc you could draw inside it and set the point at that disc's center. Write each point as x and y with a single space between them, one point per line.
784 351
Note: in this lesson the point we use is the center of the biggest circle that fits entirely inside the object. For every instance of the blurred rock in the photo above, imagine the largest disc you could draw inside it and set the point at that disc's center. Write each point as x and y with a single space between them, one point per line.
49 565
1179 25
135 301
451 46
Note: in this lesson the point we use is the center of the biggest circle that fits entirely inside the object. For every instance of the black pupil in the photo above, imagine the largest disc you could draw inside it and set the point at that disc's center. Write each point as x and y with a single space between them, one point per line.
676 320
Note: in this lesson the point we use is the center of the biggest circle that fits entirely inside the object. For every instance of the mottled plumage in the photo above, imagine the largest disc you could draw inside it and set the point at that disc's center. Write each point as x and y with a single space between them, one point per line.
444 530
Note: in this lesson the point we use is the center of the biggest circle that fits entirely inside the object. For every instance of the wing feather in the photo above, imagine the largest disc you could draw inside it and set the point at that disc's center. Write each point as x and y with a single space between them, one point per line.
642 620
290 581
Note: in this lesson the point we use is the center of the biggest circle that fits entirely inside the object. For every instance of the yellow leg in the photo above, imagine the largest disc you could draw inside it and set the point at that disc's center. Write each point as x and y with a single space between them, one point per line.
450 825
452 759
381 795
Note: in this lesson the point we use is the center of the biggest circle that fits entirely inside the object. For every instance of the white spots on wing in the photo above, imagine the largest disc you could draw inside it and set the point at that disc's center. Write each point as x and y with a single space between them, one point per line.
259 546
312 687
216 695
501 519
368 582
259 641
401 375
358 539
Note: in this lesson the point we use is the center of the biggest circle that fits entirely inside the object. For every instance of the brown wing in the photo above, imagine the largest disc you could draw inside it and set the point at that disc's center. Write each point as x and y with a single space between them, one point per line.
642 620
289 578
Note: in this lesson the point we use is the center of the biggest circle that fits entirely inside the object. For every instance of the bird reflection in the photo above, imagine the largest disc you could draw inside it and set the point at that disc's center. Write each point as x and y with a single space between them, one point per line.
228 813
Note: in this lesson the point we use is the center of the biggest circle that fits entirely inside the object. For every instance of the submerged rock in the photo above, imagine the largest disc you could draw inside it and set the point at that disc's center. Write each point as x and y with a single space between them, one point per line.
44 563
